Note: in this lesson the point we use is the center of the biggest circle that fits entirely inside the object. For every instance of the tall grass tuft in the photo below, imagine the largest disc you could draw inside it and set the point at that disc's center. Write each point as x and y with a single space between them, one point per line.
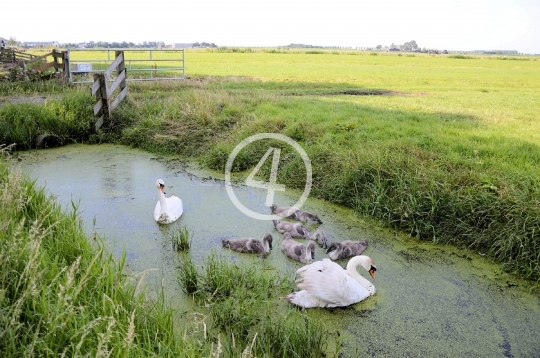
64 121
243 305
181 239
188 277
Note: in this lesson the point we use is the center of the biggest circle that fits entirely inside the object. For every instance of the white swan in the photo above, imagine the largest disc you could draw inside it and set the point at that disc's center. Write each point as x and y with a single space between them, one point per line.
297 251
169 209
326 284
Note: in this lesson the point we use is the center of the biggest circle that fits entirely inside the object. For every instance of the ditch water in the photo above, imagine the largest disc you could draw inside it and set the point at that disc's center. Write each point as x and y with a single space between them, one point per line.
431 301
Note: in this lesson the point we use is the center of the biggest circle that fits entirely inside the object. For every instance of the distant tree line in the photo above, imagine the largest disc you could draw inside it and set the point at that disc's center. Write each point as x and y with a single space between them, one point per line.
204 44
303 46
410 46
123 44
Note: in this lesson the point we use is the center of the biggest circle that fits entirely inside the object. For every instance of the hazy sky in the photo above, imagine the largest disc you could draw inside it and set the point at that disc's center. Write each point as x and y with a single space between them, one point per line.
444 24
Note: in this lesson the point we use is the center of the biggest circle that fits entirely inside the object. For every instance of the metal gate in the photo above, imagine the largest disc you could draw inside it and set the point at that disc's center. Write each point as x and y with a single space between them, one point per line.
141 64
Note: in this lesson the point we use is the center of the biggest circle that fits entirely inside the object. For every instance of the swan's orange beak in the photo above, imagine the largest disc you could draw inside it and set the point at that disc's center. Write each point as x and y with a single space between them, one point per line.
372 271
162 187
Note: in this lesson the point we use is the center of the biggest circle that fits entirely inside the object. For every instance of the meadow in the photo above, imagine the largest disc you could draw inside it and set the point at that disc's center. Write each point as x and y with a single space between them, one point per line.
442 147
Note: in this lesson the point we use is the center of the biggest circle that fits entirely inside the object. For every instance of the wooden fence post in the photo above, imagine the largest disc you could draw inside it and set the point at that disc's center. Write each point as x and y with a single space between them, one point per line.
104 106
99 88
67 67
121 68
119 82
55 55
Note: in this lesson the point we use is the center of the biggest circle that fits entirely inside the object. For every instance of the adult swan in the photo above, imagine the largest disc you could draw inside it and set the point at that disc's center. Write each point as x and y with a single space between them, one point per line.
169 209
326 284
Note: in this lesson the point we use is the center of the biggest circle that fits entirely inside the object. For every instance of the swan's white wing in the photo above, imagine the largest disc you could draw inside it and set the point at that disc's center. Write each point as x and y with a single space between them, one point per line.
330 284
173 212
174 208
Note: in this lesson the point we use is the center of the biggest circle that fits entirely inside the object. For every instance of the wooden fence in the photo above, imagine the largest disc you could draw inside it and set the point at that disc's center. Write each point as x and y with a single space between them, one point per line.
26 66
104 92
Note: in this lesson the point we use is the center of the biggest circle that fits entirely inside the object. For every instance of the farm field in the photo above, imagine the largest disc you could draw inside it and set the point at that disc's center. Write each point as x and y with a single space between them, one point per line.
443 147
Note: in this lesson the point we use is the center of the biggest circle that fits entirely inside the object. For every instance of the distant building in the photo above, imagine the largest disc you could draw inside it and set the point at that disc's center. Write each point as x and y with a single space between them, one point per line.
394 49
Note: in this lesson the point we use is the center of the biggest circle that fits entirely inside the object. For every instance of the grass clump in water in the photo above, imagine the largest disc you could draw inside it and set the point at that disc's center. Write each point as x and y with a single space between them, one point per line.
181 239
243 306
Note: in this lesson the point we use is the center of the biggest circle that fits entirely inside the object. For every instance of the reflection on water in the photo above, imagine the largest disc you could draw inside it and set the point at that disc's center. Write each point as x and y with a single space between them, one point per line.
431 301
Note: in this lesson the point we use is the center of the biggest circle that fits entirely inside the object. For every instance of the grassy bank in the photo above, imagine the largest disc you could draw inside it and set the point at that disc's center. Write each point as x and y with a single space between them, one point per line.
62 296
443 148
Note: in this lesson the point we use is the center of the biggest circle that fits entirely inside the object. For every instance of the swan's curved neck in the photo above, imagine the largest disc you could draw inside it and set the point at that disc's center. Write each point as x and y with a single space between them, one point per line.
162 201
351 270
